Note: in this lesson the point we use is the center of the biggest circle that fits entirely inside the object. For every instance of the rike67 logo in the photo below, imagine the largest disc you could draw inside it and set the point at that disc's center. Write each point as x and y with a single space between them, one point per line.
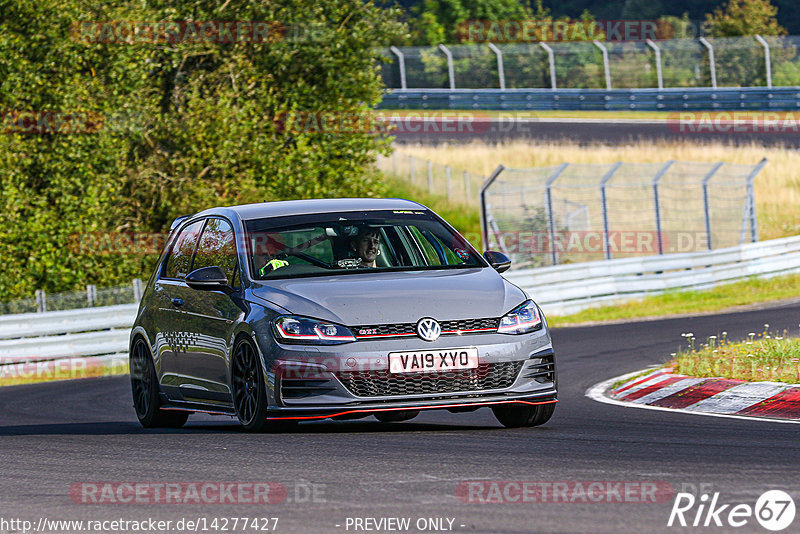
774 510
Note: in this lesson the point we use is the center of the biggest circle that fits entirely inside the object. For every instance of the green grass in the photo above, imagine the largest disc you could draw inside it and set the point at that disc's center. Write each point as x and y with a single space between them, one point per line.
741 293
762 357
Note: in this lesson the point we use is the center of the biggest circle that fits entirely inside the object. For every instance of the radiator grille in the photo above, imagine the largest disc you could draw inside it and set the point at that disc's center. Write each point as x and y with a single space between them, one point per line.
384 384
410 329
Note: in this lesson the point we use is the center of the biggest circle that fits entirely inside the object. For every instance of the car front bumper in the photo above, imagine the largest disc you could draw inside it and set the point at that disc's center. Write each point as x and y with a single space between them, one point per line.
306 382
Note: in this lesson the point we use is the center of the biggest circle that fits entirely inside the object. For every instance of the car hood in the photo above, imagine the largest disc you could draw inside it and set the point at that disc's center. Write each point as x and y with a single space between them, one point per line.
394 297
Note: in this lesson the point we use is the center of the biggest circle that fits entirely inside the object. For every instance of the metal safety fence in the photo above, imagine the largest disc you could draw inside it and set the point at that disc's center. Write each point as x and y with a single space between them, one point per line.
752 61
457 185
574 213
70 300
566 289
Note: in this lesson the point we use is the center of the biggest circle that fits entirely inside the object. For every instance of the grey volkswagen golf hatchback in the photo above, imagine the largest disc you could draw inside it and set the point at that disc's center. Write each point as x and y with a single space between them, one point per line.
301 310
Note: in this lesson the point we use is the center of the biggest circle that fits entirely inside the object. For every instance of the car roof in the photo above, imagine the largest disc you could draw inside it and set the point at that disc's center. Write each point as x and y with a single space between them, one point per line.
304 207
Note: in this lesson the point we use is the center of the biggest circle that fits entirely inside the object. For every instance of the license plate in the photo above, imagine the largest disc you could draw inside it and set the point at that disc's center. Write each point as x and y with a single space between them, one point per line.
428 361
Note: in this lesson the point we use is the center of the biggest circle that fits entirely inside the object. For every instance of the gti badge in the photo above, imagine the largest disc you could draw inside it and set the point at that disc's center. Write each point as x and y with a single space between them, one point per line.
428 329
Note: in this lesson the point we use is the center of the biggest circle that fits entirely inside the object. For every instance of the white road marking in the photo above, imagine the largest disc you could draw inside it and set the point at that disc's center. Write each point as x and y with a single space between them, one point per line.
738 397
653 378
598 393
668 390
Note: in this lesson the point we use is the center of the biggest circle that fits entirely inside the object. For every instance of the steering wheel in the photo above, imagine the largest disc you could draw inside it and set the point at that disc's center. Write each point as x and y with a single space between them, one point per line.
310 259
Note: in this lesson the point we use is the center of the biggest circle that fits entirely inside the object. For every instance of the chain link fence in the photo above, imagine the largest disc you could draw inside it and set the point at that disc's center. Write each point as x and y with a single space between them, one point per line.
457 185
70 300
752 61
575 213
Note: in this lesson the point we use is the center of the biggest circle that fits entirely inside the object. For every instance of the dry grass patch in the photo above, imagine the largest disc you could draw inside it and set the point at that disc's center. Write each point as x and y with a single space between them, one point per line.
777 188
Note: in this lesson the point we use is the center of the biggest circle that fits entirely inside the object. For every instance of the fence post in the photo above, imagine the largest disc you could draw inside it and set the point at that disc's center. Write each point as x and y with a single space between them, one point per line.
91 294
767 61
752 198
501 74
705 202
603 182
484 211
661 172
401 62
450 71
394 162
466 183
411 168
137 289
447 178
753 218
657 50
552 61
551 223
712 65
41 301
603 49
430 176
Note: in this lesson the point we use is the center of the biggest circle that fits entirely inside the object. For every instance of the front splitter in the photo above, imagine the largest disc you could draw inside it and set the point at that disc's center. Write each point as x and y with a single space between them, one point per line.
306 414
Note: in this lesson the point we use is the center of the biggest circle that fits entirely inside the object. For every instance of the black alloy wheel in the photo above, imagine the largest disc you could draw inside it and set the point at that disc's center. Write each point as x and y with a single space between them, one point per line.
144 387
248 387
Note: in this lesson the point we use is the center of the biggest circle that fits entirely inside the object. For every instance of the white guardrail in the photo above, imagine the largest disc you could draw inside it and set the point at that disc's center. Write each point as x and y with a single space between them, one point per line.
36 337
565 289
559 290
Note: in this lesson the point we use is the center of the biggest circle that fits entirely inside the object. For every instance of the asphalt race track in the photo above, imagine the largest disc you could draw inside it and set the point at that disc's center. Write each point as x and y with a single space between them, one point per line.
582 131
58 434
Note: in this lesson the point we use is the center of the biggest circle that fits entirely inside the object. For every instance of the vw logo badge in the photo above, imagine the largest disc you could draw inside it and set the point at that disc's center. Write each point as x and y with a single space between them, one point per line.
429 329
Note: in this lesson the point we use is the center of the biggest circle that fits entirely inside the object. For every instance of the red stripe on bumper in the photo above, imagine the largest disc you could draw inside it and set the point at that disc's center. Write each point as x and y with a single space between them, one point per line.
408 408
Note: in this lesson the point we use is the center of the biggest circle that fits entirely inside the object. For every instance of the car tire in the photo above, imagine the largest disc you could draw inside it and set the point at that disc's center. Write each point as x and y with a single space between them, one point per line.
519 416
145 391
248 388
396 416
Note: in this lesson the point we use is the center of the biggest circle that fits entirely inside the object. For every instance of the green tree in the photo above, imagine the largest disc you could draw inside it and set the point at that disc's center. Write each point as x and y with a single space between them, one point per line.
744 17
740 61
439 21
184 126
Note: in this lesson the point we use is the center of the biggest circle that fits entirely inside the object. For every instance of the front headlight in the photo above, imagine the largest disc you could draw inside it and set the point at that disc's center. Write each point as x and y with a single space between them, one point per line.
295 329
521 320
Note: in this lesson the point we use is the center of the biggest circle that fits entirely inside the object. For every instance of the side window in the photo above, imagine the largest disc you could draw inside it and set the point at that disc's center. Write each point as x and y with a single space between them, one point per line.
179 261
217 247
428 249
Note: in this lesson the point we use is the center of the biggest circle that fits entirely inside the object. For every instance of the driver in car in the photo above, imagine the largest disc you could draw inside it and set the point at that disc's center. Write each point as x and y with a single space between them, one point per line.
366 245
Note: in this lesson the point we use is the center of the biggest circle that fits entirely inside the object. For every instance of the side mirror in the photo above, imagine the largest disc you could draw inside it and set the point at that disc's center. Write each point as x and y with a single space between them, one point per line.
208 279
498 260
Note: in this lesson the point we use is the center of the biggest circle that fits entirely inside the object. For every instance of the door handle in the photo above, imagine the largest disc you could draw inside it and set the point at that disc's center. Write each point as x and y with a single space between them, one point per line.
177 302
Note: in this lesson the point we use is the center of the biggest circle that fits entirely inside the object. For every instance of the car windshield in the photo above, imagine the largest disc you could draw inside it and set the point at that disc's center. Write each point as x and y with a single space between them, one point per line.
351 242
